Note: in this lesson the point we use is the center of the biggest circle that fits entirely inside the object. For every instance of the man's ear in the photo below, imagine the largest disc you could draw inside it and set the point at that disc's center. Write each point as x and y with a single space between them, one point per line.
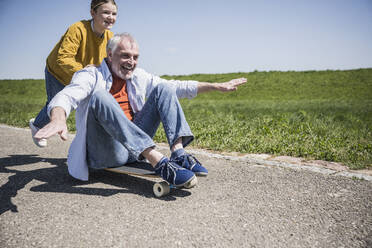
109 55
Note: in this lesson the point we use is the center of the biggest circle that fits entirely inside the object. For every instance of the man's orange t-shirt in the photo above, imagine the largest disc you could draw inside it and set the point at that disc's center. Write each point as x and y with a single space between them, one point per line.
119 92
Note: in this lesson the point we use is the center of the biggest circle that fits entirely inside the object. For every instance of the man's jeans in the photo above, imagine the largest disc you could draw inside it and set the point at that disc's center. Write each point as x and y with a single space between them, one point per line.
52 86
113 140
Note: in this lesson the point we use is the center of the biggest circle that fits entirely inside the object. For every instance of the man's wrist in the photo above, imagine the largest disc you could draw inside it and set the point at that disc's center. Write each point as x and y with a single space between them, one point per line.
58 114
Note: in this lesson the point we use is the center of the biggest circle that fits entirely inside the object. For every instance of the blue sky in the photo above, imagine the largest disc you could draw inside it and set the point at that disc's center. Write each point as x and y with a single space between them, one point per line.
201 36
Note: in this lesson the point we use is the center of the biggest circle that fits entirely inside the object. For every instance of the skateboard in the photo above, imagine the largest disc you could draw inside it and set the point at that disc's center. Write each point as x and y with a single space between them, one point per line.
143 169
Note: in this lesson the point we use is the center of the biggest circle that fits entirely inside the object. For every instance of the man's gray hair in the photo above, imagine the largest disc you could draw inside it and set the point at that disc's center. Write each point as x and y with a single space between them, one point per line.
115 40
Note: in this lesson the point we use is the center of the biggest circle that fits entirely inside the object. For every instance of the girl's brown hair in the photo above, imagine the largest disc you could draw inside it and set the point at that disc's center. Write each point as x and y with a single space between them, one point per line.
96 3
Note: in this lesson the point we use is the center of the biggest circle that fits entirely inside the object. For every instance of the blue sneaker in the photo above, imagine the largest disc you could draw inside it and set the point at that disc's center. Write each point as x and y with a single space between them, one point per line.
189 162
175 174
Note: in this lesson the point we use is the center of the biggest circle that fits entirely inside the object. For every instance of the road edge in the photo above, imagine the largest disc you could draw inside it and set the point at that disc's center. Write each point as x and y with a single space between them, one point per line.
263 160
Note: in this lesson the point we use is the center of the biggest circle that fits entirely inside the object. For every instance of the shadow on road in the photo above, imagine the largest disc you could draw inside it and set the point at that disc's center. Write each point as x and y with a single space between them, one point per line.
57 180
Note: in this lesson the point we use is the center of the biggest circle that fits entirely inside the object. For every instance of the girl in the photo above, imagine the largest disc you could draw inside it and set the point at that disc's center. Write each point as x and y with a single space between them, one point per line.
84 43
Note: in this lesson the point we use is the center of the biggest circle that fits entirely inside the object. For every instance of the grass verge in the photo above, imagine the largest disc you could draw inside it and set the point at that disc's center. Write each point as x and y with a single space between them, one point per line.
325 115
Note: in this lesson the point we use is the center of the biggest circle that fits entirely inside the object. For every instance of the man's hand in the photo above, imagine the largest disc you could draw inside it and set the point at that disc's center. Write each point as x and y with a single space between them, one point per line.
57 125
232 85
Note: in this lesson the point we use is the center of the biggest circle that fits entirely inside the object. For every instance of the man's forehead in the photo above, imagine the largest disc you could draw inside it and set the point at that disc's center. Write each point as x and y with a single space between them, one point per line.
127 44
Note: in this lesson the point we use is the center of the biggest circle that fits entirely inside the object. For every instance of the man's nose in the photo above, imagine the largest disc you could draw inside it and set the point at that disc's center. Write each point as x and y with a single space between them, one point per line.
131 60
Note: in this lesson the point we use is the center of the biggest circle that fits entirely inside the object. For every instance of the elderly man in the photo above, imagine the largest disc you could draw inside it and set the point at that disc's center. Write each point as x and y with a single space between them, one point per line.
115 124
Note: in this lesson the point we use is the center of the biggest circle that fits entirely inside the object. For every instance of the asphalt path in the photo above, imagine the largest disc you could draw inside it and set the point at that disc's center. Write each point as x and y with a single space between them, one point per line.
240 204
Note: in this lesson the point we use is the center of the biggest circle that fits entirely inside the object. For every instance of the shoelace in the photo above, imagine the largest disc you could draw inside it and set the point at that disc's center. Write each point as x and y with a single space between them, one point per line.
192 161
170 168
189 161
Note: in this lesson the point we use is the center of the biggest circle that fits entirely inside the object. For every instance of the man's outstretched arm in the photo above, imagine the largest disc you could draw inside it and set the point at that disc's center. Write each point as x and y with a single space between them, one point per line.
57 125
231 85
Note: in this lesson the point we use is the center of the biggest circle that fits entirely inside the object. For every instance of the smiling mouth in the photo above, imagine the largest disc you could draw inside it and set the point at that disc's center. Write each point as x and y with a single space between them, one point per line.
128 67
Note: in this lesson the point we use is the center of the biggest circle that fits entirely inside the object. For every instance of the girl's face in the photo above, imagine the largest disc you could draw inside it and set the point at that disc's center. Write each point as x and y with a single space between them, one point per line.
104 17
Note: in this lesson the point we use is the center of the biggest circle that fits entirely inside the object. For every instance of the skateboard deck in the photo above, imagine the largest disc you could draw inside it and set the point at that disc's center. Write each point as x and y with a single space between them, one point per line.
144 169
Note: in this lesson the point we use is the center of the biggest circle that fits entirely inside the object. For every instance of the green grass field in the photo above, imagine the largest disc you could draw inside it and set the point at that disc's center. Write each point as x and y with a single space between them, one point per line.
324 115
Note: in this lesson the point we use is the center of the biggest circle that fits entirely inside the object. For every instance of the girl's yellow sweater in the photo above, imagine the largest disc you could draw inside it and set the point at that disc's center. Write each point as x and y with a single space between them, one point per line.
78 47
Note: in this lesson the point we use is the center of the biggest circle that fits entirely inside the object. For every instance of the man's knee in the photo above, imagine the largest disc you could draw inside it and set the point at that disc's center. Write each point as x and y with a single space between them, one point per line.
101 97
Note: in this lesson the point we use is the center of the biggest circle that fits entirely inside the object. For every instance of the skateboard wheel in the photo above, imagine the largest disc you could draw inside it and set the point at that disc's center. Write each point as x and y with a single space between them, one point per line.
161 189
192 183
